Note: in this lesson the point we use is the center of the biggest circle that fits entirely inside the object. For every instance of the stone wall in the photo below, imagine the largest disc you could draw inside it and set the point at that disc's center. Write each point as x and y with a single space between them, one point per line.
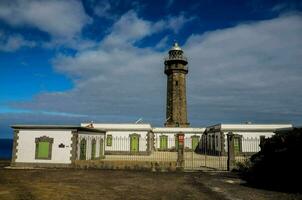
127 165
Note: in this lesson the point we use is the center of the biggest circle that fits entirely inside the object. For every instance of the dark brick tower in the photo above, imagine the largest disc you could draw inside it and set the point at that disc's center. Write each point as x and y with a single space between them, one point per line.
176 70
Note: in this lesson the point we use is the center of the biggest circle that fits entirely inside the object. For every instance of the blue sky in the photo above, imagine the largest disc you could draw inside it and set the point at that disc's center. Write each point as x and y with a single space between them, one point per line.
65 62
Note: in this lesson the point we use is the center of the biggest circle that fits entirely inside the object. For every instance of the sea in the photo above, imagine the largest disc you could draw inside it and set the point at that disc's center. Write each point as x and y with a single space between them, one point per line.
6 146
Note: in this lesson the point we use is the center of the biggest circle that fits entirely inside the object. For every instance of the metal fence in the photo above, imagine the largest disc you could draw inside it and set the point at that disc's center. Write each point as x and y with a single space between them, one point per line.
140 149
246 148
196 156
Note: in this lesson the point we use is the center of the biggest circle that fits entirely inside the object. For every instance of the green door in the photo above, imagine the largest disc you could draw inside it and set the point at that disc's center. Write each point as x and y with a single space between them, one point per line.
195 141
163 142
83 149
134 143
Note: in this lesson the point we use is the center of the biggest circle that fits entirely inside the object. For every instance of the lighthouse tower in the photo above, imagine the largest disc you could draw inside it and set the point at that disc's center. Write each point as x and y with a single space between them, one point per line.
176 70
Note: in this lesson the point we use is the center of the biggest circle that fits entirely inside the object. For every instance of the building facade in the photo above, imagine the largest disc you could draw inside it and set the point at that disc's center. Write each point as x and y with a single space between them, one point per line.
55 145
247 137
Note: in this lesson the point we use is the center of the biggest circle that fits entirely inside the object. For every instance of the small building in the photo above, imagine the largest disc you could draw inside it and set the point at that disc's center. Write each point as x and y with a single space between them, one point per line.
55 145
246 137
126 138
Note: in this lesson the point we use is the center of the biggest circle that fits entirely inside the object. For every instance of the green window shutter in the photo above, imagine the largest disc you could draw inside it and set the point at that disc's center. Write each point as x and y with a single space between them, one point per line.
163 142
236 145
83 149
43 149
109 140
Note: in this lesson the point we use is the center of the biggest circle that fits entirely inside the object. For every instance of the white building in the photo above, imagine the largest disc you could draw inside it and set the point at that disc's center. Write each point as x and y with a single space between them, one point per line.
55 145
246 136
61 145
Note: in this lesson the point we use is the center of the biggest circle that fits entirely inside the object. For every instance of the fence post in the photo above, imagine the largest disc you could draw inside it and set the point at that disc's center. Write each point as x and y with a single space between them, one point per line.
180 152
231 151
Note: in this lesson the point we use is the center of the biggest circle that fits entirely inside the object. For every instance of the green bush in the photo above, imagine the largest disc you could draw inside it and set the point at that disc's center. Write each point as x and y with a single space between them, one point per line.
278 164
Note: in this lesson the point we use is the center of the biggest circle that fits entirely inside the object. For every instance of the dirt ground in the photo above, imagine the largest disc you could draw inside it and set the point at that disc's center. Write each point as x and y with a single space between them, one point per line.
107 184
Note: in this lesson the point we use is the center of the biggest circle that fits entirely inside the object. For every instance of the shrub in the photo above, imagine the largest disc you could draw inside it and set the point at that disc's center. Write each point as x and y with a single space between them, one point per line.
278 164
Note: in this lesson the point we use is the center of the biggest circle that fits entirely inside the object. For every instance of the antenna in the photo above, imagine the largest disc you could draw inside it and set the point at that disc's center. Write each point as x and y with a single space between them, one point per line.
139 120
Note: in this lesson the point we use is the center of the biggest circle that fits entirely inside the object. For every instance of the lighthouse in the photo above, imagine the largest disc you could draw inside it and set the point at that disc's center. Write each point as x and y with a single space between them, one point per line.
176 70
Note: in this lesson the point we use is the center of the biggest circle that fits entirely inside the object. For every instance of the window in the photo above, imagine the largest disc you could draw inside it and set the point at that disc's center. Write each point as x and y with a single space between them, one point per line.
163 142
109 140
83 149
176 83
43 148
93 148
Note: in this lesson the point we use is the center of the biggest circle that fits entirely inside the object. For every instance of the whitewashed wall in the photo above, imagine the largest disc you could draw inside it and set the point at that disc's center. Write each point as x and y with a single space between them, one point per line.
89 137
121 140
27 146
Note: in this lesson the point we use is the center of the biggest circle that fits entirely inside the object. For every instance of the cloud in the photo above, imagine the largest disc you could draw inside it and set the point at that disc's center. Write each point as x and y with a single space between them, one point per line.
130 28
251 68
62 19
163 43
250 72
10 43
105 9
176 23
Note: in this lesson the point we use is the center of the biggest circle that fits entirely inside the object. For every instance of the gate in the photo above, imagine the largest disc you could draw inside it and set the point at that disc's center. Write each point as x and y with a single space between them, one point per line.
203 158
220 153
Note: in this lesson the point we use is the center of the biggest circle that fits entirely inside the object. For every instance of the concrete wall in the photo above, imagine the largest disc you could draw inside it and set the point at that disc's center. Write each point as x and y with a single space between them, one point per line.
26 146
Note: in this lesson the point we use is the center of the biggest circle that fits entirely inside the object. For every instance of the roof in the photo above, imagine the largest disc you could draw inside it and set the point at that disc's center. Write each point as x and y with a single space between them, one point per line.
248 127
58 127
121 127
177 130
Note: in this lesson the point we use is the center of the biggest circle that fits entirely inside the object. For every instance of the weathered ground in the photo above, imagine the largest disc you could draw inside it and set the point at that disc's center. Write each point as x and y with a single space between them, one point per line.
106 184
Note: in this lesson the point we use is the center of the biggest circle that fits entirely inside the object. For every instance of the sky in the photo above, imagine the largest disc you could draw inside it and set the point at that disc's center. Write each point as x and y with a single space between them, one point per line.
67 62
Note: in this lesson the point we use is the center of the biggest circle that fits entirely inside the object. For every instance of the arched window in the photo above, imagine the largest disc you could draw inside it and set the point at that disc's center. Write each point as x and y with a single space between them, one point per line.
134 142
163 142
93 148
109 140
83 149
